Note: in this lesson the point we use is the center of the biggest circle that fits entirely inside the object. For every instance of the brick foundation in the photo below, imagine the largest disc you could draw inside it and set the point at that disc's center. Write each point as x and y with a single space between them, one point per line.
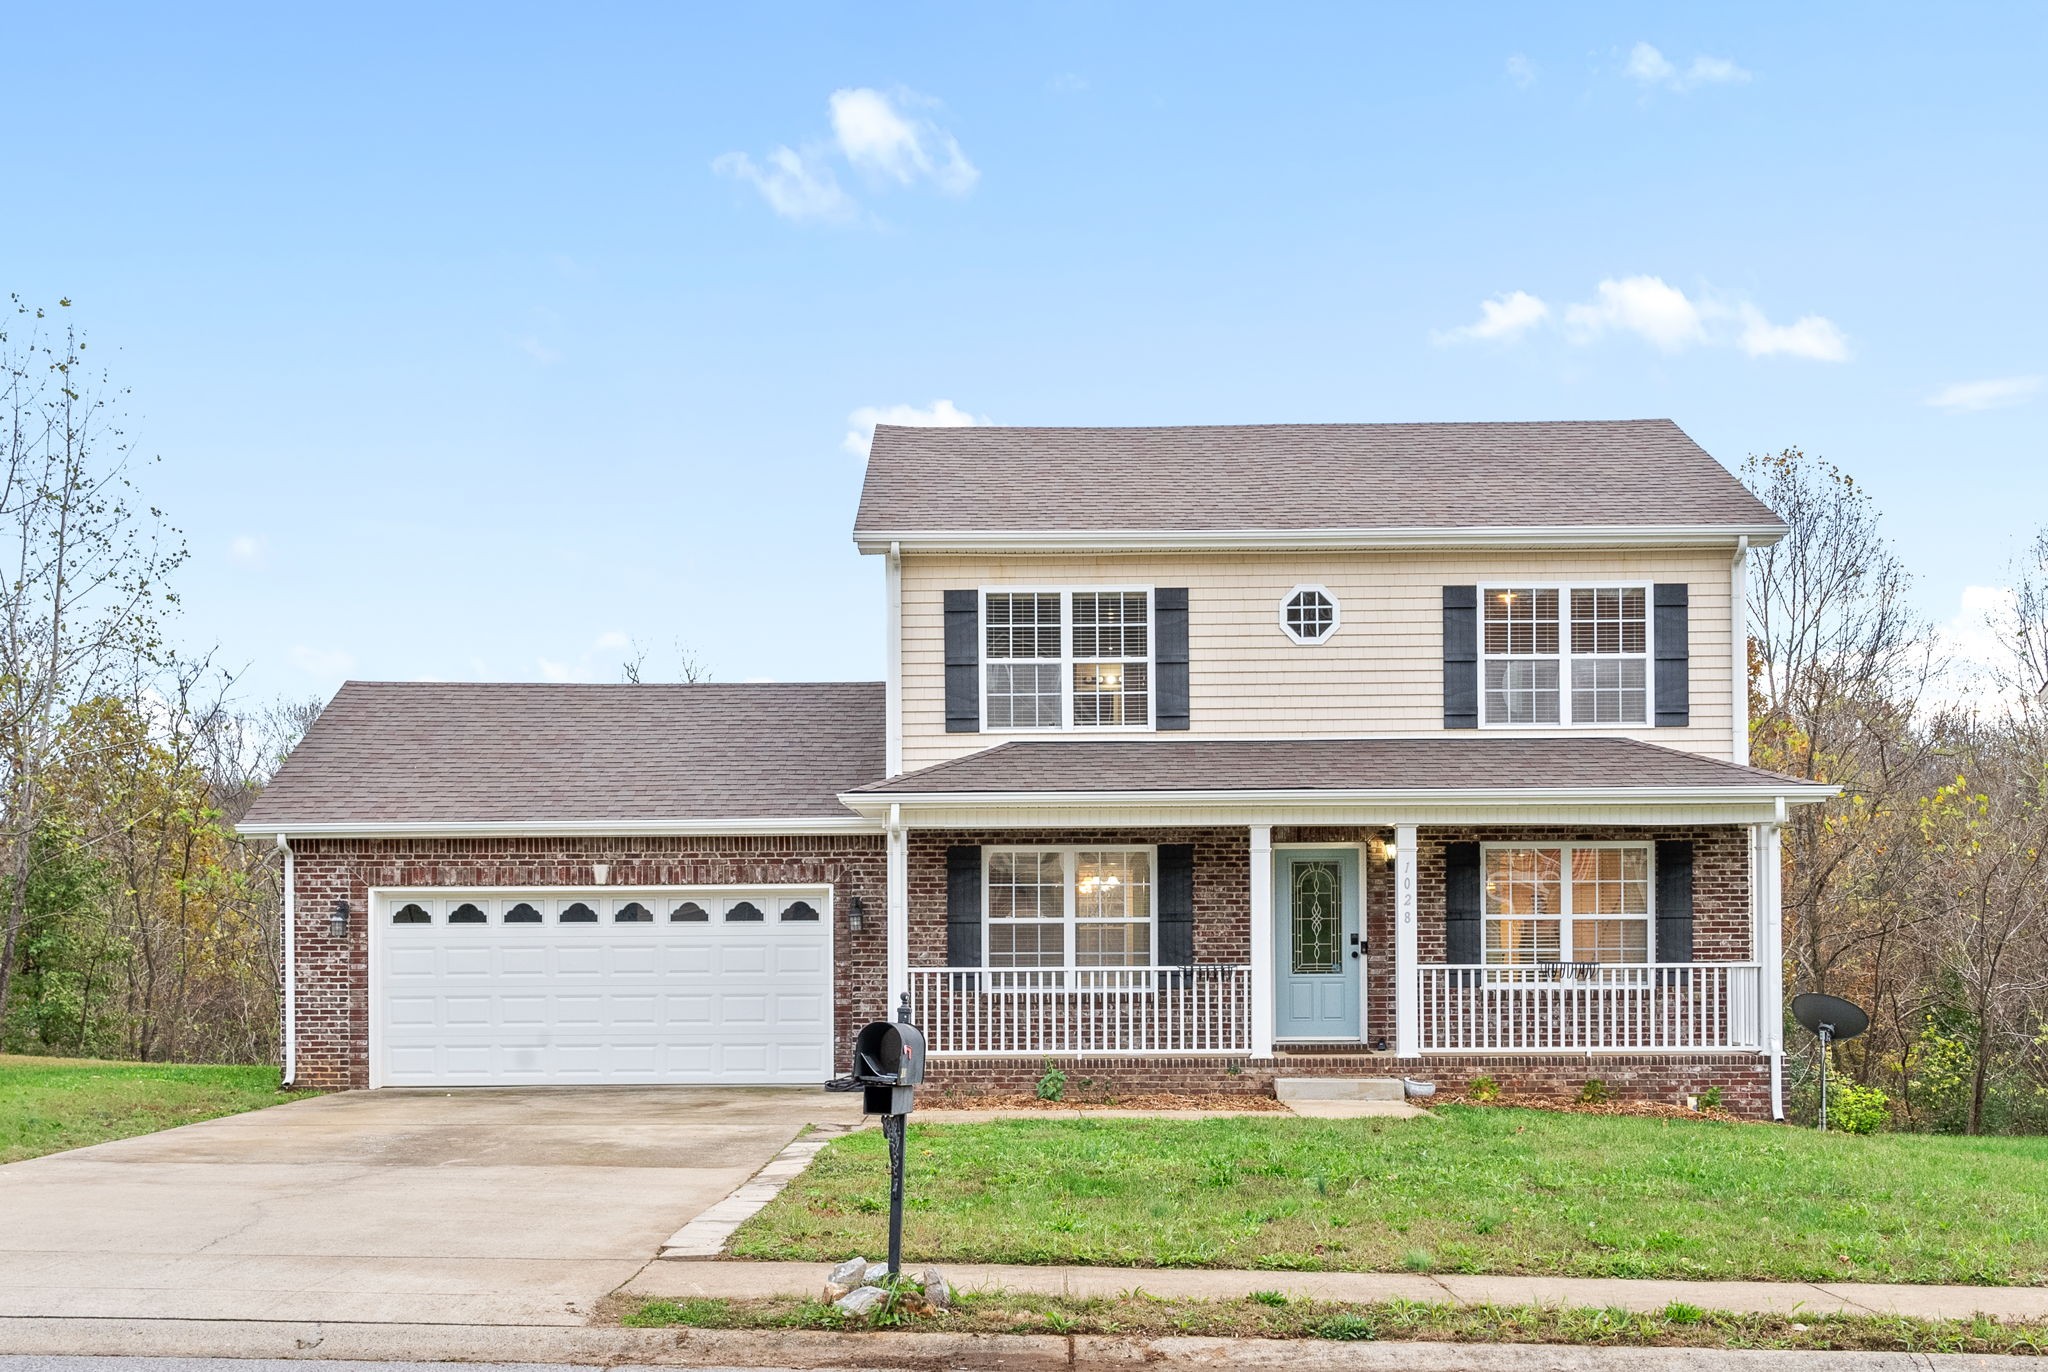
1744 1078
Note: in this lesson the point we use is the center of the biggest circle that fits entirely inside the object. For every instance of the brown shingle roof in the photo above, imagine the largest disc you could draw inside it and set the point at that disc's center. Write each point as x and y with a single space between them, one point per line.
1335 764
1297 477
421 753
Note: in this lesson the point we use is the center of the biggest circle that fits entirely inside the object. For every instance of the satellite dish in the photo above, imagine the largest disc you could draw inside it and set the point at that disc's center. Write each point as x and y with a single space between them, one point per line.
1831 1017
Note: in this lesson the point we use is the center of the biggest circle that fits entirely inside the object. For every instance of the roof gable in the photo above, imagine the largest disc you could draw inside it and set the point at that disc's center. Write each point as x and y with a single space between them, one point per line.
1299 478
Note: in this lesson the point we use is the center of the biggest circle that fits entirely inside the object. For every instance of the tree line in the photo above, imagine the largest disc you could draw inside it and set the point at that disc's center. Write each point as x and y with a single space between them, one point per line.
136 924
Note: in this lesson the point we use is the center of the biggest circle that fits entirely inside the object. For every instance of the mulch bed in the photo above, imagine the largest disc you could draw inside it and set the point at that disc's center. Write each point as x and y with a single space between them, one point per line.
1143 1100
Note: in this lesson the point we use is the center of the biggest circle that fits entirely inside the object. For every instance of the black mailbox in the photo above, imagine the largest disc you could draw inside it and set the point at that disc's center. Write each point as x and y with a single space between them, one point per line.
888 1061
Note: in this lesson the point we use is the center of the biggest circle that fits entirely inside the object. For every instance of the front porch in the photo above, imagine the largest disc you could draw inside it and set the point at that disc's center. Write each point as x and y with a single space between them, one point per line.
1212 1015
1571 921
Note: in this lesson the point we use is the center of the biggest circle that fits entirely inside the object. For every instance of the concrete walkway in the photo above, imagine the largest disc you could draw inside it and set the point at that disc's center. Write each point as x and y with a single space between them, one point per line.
739 1280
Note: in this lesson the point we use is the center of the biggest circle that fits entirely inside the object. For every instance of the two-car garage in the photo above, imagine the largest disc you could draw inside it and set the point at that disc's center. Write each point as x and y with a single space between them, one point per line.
563 986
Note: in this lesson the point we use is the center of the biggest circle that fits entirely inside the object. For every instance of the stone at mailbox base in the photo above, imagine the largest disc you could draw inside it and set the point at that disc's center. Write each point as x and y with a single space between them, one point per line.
864 1300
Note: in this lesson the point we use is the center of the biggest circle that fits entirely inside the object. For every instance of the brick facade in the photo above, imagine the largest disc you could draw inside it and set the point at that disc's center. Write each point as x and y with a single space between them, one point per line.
333 996
333 992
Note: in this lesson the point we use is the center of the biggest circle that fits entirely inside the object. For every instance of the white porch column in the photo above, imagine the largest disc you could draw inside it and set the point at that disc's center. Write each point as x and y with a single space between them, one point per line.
1407 1012
1772 956
898 930
1262 940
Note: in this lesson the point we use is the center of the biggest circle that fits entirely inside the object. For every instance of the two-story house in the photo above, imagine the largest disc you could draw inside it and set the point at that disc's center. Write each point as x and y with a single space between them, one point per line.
1206 756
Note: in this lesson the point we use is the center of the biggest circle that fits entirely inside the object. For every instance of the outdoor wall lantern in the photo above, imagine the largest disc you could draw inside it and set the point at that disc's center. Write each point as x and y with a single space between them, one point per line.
337 920
1392 850
856 915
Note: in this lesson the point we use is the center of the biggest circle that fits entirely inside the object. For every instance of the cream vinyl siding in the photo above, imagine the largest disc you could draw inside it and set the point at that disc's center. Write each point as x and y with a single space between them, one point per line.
1380 673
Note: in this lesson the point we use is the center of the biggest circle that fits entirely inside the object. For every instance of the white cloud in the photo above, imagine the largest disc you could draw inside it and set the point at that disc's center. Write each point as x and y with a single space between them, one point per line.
795 185
1809 336
246 549
1986 395
884 137
1661 314
1642 305
877 136
551 670
1521 71
940 414
540 352
1504 318
1650 67
612 641
322 662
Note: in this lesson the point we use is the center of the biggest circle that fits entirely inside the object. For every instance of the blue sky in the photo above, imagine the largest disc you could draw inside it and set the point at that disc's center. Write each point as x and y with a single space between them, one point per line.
477 341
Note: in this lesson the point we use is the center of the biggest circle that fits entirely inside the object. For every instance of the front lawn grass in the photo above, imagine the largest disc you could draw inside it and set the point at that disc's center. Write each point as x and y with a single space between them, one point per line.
1137 1315
1477 1190
50 1104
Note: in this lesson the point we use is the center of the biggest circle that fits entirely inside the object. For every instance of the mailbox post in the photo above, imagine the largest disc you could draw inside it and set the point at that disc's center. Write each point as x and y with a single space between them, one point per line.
888 1062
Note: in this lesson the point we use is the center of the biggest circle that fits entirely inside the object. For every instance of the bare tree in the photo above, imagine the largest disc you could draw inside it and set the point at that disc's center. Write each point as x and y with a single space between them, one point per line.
1985 887
84 570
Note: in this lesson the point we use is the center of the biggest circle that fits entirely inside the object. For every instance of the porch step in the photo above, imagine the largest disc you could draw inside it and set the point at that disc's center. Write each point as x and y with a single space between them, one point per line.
1338 1088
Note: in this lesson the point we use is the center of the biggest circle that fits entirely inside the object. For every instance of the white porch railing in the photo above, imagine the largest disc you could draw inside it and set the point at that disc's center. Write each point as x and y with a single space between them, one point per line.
988 1012
1591 1008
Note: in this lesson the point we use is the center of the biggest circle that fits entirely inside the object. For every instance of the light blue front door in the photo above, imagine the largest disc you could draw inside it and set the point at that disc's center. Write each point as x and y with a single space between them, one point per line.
1315 927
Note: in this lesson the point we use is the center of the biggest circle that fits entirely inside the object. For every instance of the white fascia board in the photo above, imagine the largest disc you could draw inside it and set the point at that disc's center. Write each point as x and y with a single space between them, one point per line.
1138 540
624 828
1766 796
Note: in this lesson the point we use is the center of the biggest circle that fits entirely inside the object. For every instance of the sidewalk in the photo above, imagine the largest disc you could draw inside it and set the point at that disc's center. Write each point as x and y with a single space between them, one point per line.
744 1280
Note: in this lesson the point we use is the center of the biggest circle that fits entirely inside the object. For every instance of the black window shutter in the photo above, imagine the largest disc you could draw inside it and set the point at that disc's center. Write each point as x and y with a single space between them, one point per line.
963 662
1461 657
963 906
1674 900
1176 905
1170 656
1462 916
1672 632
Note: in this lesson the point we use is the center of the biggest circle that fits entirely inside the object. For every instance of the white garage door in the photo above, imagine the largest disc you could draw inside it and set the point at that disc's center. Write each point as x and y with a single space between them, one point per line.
555 987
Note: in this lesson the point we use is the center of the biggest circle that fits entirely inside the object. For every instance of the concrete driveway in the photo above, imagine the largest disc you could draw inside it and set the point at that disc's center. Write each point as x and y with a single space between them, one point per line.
480 1206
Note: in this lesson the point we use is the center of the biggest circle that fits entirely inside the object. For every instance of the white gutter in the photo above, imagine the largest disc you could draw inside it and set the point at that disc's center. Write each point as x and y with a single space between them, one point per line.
534 828
290 1069
1125 540
1798 793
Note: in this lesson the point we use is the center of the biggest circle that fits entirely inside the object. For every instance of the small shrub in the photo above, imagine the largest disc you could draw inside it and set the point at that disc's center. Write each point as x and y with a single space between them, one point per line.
1595 1092
1484 1088
1855 1109
1347 1327
1053 1084
1710 1099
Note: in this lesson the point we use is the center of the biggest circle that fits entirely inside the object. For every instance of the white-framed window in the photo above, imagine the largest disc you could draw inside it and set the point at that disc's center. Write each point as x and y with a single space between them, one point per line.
1308 614
1078 659
1566 903
1564 654
1067 917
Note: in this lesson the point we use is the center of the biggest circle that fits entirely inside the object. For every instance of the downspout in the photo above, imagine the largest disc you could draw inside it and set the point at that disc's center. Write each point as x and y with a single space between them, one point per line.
892 692
1738 654
291 966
